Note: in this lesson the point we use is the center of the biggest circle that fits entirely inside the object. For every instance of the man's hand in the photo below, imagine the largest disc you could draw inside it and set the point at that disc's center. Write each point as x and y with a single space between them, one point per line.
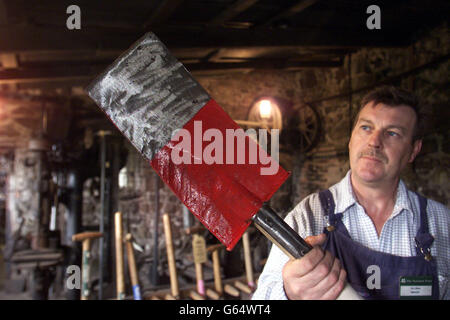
316 276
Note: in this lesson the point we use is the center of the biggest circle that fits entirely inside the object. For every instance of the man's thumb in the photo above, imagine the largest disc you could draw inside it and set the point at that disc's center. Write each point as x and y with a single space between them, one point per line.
316 240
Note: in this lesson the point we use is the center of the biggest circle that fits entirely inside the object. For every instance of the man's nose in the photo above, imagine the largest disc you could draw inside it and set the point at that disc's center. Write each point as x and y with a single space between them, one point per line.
375 139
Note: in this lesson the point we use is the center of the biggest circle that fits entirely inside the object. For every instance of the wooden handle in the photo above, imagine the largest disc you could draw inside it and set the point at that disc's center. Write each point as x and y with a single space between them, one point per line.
243 287
194 229
169 297
86 235
195 296
212 294
214 247
120 283
216 270
232 291
248 260
349 294
199 277
85 272
171 256
132 268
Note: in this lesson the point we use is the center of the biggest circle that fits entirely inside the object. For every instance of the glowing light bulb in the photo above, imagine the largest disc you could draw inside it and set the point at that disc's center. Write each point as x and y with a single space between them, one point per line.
265 109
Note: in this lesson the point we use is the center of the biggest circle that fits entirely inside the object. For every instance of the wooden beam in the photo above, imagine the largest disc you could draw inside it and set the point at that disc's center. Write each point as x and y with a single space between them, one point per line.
162 13
232 11
9 60
47 74
3 13
84 71
268 64
296 8
20 39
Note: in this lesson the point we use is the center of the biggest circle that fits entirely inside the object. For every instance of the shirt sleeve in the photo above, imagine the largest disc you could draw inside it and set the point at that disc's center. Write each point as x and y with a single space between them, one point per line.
301 219
439 225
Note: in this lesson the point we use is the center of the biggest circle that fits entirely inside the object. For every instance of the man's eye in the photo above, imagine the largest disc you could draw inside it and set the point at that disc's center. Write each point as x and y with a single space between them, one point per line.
365 128
393 134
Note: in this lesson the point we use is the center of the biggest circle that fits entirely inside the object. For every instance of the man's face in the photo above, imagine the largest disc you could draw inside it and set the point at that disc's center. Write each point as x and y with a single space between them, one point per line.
381 143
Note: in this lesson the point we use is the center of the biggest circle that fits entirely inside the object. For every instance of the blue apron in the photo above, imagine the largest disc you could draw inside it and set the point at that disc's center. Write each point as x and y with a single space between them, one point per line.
358 260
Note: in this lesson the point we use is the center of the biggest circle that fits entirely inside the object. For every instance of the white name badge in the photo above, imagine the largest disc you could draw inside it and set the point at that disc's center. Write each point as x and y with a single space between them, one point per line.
418 287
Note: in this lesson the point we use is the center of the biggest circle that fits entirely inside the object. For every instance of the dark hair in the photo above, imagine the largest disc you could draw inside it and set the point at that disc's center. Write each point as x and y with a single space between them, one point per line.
395 97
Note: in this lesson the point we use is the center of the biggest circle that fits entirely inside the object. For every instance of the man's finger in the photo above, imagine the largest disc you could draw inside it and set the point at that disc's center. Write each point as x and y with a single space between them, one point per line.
316 240
302 266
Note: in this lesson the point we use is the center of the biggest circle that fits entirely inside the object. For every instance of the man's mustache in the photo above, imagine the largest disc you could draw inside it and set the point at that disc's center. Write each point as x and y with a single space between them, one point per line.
374 153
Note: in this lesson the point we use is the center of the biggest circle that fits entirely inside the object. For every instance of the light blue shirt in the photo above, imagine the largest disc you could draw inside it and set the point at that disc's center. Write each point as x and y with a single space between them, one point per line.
396 237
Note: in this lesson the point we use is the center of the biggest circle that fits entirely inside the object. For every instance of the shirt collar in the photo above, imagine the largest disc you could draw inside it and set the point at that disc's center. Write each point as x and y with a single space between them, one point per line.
344 192
402 201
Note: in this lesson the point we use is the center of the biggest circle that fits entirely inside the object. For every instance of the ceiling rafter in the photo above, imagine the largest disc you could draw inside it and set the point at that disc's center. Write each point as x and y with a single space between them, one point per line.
232 11
83 70
296 8
162 13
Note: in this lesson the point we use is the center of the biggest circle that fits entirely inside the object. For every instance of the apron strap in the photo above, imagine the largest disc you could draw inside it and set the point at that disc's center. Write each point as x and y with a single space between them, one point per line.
328 205
423 238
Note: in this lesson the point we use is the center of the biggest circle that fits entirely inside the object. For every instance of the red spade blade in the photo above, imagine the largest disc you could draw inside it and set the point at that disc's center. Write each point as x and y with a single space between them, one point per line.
224 197
148 95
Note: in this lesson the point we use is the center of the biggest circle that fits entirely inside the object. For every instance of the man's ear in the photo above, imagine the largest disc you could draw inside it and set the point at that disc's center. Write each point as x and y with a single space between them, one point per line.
417 146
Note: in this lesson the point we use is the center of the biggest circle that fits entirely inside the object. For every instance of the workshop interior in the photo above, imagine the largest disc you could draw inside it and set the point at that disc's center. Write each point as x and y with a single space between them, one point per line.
87 213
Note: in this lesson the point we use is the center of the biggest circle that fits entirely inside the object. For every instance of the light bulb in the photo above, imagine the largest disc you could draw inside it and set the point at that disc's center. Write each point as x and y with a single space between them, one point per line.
265 109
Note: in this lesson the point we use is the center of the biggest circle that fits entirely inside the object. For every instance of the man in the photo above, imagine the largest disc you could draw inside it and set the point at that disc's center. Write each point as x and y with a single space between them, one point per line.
369 230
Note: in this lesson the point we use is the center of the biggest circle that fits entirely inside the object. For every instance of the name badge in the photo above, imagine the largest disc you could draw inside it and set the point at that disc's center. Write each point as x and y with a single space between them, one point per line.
418 287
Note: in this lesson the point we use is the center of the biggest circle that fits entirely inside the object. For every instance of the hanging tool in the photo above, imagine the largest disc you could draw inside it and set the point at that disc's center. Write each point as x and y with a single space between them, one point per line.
199 253
242 287
86 238
171 257
120 281
219 288
132 268
217 294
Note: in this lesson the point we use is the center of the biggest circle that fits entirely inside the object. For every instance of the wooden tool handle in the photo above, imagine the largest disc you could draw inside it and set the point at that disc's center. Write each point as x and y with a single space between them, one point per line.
212 294
199 276
86 235
232 291
194 229
120 283
132 268
243 287
169 297
248 260
195 296
85 271
216 270
171 256
215 247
